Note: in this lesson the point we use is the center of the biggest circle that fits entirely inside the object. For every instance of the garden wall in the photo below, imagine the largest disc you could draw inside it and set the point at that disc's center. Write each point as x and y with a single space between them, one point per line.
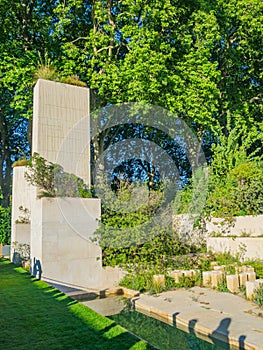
245 247
22 193
241 225
63 251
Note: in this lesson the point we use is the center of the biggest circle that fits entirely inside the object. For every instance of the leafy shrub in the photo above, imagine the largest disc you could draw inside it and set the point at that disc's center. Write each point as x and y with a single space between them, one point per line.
258 267
140 280
239 193
225 259
259 296
53 181
5 225
24 218
186 282
159 251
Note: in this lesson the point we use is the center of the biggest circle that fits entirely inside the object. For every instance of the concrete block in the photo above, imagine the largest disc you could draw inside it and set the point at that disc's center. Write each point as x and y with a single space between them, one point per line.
250 269
251 276
232 283
216 278
251 286
194 272
250 289
159 280
176 275
206 278
251 225
213 264
187 273
1 254
242 278
219 267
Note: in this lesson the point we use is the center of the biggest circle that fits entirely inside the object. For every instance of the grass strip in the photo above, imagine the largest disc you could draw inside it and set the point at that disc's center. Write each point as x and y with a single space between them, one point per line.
34 315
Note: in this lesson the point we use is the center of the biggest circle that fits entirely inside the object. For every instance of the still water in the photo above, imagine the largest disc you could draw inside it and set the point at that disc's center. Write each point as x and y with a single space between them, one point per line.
162 335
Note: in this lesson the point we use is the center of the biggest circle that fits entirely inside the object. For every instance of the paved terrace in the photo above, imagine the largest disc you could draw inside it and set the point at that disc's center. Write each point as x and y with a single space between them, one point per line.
208 313
223 319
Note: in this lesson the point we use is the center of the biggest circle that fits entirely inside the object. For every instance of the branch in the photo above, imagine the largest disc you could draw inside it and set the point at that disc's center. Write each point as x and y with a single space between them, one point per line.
105 48
80 38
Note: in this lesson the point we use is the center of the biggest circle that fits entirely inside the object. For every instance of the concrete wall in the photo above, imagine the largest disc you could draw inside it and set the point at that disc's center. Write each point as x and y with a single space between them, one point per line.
61 253
61 127
22 193
240 225
246 247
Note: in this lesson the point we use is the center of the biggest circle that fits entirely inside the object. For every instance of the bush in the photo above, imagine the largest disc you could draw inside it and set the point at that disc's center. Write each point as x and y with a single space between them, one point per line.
258 267
53 181
259 296
5 225
239 193
140 280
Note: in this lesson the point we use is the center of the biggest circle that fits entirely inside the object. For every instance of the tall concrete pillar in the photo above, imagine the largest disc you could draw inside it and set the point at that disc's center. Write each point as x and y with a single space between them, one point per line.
61 126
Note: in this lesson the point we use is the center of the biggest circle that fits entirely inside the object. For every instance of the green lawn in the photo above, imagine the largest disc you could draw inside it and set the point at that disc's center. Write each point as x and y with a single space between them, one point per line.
34 315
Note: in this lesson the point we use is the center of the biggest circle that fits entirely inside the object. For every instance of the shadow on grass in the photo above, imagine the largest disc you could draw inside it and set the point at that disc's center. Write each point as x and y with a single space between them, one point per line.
35 315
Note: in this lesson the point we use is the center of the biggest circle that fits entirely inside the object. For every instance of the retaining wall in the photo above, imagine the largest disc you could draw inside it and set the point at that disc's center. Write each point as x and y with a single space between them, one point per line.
245 247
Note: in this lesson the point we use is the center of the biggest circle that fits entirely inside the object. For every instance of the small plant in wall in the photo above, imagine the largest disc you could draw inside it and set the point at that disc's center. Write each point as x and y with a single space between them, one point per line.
21 253
53 181
24 218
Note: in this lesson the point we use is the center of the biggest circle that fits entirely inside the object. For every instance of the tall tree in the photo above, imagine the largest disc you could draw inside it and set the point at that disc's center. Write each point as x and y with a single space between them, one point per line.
201 60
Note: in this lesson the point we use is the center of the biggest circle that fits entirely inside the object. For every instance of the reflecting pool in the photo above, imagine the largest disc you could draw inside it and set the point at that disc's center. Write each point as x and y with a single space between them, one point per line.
161 335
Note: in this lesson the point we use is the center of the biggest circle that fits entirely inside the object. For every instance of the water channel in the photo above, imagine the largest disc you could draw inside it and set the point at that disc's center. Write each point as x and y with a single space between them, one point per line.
159 334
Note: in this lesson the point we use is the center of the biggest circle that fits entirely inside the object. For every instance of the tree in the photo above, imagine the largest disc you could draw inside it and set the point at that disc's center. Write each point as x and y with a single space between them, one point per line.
200 60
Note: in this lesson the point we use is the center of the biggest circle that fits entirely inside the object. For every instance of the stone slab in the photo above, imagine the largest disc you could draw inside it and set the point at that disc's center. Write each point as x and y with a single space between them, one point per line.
217 316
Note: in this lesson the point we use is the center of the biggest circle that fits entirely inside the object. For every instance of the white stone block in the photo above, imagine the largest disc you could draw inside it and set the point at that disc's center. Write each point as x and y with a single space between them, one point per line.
251 276
232 283
216 278
206 278
242 278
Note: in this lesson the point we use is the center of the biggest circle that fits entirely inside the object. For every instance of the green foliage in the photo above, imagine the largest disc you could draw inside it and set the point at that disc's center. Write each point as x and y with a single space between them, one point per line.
236 172
46 72
222 287
141 280
226 259
186 282
53 181
200 60
158 251
258 267
259 296
238 193
5 225
20 162
73 80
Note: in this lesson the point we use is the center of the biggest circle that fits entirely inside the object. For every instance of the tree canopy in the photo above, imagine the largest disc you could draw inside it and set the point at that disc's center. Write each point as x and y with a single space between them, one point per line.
201 60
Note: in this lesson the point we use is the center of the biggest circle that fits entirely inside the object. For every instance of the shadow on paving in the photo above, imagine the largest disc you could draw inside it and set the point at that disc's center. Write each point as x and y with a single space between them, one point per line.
35 316
220 336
